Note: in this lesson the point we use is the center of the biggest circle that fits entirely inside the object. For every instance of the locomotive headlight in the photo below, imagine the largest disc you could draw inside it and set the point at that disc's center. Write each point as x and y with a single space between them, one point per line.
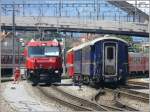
50 67
44 44
56 71
40 65
31 71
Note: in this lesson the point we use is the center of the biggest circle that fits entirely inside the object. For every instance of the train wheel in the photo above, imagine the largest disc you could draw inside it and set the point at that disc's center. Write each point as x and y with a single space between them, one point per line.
122 81
115 84
35 81
101 83
58 79
48 83
146 74
75 79
86 80
34 84
91 83
27 76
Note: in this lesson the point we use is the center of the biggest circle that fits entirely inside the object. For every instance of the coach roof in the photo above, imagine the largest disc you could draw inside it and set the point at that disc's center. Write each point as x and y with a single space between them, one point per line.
81 46
105 38
96 40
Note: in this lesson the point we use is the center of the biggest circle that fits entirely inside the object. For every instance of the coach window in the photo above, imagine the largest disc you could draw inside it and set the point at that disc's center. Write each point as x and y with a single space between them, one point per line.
110 53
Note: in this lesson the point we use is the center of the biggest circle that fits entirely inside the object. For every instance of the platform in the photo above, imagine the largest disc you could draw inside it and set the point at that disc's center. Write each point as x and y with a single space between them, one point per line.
145 91
140 81
5 79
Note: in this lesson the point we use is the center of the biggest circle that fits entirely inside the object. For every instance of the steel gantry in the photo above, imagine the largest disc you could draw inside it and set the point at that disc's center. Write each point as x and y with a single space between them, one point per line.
87 16
83 9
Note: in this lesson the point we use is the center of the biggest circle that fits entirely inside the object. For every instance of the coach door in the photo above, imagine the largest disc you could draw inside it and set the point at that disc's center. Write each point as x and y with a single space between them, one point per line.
110 59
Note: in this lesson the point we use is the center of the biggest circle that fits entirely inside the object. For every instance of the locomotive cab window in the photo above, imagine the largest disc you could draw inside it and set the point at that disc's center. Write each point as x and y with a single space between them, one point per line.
42 51
110 53
51 51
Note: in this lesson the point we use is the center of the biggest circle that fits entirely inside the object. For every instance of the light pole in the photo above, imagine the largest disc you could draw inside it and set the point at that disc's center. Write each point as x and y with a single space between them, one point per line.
0 41
64 60
18 45
149 41
64 51
13 37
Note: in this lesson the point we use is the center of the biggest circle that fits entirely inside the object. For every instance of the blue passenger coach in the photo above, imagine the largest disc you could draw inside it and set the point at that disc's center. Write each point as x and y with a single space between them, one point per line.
80 58
104 59
110 60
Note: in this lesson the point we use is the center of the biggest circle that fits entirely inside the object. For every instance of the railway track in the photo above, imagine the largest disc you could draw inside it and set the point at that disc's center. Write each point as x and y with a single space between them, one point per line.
138 97
80 104
139 85
60 100
86 102
133 95
91 104
116 104
77 103
126 107
111 108
135 86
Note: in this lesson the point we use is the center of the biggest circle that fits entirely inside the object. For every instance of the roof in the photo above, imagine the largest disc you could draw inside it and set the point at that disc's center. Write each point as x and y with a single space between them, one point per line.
105 38
42 43
69 50
129 8
94 41
81 46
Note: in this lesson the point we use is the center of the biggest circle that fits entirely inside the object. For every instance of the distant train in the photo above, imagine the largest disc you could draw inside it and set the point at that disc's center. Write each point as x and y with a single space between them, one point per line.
138 64
102 60
8 59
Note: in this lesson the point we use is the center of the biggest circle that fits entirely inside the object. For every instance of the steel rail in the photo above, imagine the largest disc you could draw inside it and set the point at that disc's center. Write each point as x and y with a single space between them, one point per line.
63 102
112 108
117 105
142 84
131 95
85 102
145 95
121 105
135 86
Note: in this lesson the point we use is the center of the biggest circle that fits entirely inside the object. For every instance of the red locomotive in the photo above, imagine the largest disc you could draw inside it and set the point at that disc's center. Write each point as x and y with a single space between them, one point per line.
43 61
